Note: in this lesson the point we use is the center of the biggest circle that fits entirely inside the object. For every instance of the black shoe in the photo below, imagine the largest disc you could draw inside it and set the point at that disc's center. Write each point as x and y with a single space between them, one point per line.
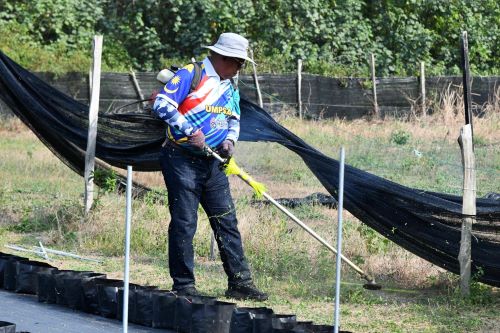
188 291
246 291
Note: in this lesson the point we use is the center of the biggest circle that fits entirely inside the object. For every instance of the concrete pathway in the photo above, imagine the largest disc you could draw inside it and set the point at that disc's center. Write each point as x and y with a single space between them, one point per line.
31 316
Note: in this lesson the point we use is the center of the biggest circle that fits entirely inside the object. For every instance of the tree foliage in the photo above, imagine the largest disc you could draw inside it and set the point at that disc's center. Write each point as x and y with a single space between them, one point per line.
332 36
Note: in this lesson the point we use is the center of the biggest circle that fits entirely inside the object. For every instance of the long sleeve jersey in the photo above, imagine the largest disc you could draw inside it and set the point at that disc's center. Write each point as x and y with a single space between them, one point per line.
213 106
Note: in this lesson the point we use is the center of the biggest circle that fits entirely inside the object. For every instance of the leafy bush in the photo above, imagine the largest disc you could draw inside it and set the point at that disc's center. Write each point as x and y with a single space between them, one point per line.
332 37
400 137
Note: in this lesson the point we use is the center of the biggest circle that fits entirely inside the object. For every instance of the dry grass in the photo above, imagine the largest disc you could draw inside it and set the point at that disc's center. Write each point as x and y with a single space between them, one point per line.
286 261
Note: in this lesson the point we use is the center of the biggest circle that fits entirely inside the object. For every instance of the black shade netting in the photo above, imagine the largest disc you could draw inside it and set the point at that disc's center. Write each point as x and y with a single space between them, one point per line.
426 223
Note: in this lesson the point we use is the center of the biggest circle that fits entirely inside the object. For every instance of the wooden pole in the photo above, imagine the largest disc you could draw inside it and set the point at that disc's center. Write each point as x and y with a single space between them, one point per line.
256 81
137 88
299 87
468 160
92 131
374 85
468 207
422 90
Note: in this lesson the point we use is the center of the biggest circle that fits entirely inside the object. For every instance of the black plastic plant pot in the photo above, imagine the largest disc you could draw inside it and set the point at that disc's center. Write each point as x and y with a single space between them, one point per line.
6 327
163 309
132 302
284 321
184 311
46 287
243 319
211 317
4 257
9 271
263 324
27 275
304 326
75 292
107 297
144 306
60 287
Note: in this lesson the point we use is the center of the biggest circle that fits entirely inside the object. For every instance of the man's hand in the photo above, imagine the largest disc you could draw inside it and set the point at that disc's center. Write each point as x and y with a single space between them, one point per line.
226 149
197 139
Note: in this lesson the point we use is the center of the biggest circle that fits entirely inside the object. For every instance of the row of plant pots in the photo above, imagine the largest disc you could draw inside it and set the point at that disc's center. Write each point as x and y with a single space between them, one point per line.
94 293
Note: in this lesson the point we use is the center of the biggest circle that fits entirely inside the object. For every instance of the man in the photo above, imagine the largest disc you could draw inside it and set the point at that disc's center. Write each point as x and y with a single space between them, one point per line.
207 115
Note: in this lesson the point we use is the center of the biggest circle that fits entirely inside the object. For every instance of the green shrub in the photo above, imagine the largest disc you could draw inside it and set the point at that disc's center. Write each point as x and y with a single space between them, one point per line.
400 137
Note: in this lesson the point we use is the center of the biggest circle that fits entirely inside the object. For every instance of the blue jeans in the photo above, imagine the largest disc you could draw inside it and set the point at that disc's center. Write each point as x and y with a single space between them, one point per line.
192 180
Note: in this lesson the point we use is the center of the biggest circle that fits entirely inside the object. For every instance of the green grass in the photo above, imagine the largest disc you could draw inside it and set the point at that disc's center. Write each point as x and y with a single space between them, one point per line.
41 199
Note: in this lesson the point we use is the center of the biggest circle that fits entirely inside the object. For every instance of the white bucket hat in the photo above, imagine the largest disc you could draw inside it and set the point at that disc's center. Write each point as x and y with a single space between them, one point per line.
231 45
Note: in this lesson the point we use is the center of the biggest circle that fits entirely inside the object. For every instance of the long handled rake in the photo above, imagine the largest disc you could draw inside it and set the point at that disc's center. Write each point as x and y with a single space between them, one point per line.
232 168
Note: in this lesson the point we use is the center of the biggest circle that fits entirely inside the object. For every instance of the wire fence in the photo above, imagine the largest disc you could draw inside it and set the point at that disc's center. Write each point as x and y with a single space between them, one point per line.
323 98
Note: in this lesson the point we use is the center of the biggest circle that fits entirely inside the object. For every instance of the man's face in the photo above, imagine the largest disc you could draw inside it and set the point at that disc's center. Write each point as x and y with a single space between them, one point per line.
229 67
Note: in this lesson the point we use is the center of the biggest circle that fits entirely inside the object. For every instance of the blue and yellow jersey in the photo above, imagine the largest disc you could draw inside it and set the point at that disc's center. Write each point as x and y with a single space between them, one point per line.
213 106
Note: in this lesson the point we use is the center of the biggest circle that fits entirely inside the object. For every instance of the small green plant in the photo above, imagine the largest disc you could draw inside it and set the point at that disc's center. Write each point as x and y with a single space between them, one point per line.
400 137
374 242
107 180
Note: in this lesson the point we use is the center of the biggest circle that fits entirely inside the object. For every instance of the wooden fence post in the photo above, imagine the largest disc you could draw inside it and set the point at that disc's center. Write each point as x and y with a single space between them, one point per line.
299 87
466 80
92 131
468 159
137 88
422 89
374 85
468 207
256 81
